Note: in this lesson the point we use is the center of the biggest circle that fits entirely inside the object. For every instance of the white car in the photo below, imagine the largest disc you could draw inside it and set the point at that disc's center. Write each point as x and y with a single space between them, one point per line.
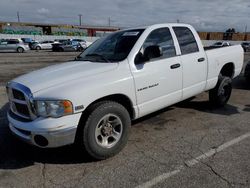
121 77
82 42
13 45
221 44
43 45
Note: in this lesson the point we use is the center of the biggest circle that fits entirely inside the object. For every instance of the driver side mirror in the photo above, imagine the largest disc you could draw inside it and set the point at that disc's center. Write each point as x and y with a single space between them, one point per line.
150 52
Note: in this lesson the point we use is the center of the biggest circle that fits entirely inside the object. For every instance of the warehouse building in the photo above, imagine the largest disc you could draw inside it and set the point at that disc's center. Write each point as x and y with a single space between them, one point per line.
54 29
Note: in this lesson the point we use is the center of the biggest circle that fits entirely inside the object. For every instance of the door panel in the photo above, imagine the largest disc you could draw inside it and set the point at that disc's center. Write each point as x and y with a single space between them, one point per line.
3 46
193 61
194 74
157 85
158 80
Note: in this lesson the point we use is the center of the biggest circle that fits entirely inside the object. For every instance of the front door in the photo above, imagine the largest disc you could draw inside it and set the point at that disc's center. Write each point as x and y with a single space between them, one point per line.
158 81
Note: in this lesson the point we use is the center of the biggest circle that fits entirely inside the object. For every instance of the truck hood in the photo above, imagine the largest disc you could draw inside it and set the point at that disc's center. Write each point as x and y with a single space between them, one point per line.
61 73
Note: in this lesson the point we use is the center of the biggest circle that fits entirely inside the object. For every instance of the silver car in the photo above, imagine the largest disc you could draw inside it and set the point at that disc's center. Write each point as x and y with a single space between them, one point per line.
14 45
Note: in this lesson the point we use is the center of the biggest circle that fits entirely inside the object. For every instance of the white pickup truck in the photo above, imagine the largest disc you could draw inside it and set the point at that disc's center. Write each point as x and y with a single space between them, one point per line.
121 77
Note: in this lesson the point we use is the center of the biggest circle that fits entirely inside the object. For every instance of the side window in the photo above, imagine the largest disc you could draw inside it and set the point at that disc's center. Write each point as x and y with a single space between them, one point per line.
162 38
186 40
12 42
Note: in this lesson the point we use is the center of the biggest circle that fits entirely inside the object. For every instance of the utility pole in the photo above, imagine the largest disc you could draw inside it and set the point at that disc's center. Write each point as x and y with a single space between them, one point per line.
18 16
246 29
109 22
80 19
178 21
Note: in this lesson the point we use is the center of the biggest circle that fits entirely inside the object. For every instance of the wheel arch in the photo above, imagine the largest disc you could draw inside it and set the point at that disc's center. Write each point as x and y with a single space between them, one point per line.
119 98
228 70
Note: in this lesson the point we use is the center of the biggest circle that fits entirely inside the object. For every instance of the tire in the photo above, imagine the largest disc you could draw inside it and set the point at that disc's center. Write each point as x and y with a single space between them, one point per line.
97 138
220 95
38 48
20 50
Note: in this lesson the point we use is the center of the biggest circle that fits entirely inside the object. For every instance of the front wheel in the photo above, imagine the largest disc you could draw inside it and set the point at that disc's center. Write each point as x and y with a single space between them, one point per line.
105 131
220 95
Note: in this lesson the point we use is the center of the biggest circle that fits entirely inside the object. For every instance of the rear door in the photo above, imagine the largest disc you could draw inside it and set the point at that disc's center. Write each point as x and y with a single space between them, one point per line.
12 45
158 81
194 62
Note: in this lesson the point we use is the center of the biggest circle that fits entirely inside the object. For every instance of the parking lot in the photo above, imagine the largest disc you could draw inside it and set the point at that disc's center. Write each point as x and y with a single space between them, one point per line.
189 144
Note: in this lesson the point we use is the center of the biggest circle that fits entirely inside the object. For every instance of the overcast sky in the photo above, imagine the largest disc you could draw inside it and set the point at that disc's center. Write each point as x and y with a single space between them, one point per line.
205 15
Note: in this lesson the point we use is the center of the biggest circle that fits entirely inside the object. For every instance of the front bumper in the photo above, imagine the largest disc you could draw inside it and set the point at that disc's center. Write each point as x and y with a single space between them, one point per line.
57 131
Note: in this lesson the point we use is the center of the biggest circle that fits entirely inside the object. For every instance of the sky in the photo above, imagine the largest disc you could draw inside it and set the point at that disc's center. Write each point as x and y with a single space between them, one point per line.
204 15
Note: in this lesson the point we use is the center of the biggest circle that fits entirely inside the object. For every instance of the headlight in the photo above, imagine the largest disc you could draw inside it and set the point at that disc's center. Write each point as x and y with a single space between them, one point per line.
53 108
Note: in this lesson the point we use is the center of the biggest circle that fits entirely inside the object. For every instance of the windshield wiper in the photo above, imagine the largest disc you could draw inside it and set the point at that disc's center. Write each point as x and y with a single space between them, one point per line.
98 55
79 58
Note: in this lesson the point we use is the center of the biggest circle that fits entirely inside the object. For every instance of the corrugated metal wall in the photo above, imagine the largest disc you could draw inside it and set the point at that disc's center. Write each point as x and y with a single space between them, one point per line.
220 36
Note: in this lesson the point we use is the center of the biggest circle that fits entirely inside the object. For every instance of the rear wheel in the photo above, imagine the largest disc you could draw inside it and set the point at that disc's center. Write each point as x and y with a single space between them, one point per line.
220 95
20 50
105 131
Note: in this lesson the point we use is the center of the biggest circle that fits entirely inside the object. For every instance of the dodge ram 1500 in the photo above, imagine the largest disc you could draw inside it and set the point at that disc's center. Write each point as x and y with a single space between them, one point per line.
121 77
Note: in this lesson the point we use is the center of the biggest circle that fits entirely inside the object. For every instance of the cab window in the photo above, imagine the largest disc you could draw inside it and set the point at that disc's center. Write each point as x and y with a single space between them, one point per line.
186 40
163 39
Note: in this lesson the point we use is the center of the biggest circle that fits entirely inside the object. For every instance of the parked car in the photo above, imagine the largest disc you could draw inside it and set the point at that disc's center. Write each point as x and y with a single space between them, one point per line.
82 42
33 45
247 72
221 44
121 77
60 40
14 45
43 45
245 46
28 41
67 46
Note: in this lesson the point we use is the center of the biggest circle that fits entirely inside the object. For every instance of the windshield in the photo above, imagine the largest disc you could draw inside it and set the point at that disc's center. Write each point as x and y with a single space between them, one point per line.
112 48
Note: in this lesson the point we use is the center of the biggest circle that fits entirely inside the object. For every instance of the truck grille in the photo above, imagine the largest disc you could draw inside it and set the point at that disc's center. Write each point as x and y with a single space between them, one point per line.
22 109
18 95
20 99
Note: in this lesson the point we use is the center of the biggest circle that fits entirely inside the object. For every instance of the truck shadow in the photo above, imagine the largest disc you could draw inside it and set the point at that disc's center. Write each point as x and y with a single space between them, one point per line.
241 83
205 106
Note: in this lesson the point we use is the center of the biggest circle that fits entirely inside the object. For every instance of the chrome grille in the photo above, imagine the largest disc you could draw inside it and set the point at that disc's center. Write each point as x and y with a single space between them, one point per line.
21 100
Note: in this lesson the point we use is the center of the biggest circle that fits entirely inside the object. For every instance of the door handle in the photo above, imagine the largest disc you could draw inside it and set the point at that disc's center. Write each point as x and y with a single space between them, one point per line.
175 66
201 59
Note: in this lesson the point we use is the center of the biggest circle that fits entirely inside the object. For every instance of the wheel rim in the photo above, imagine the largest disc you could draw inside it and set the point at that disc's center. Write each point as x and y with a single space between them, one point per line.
225 92
108 131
